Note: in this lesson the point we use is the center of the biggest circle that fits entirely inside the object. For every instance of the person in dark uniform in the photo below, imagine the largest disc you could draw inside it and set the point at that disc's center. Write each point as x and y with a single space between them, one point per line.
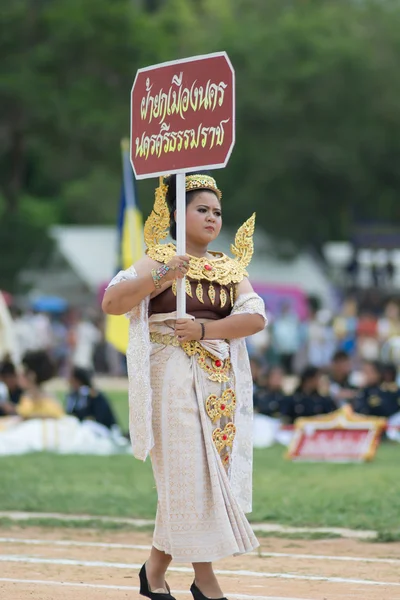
9 376
340 388
85 402
269 398
378 398
307 400
389 373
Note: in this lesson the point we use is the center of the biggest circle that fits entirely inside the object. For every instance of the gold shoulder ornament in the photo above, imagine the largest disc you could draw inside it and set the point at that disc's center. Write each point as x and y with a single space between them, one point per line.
157 224
220 268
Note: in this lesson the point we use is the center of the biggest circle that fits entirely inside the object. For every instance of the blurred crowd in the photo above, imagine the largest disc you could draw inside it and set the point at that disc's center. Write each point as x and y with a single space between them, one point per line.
74 338
316 366
23 394
300 367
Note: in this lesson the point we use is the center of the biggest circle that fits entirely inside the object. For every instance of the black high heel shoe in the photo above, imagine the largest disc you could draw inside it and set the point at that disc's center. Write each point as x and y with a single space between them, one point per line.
198 595
146 591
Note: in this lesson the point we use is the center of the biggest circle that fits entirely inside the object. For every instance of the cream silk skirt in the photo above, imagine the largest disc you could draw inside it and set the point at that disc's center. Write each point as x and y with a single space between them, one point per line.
198 518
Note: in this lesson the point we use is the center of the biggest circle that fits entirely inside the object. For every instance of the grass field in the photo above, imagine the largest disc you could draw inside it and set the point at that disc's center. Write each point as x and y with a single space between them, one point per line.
350 495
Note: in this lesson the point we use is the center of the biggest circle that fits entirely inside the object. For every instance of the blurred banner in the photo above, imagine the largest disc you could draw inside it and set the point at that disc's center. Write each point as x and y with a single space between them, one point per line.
130 245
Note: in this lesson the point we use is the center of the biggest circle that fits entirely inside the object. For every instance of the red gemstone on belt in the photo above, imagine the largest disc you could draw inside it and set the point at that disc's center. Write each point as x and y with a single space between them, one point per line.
218 363
223 407
208 267
224 437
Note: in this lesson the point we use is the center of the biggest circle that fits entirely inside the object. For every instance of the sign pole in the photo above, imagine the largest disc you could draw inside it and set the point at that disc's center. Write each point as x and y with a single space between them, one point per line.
180 240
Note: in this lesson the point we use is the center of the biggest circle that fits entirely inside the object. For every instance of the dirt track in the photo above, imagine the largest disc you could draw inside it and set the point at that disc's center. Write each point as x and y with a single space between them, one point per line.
74 565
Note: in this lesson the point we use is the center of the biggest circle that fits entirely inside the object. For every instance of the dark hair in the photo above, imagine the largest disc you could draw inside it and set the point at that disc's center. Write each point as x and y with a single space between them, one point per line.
307 374
171 198
340 355
40 364
375 364
82 376
389 372
7 368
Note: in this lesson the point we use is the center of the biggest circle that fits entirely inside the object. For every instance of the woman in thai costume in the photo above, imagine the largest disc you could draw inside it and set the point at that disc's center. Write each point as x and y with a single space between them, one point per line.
190 385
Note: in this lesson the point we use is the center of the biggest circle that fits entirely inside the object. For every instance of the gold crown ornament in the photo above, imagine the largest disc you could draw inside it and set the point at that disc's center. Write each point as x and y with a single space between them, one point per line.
202 182
221 268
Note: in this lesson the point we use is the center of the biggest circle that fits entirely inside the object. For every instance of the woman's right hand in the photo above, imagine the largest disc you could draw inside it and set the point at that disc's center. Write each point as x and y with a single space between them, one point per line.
178 268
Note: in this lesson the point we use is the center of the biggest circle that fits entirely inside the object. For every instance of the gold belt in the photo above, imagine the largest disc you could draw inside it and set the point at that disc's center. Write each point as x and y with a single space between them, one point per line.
216 369
166 339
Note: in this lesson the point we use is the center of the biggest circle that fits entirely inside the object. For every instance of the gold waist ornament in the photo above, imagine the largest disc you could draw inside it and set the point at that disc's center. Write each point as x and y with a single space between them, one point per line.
216 369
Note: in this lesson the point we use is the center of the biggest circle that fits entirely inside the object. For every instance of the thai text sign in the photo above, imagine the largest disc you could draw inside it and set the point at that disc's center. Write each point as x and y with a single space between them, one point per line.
341 436
183 116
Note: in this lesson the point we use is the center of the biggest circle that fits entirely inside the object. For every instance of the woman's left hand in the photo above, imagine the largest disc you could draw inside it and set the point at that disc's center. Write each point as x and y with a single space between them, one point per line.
187 330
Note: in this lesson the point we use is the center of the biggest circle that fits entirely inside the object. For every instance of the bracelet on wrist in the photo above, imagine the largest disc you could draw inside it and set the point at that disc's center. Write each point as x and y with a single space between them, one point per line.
158 274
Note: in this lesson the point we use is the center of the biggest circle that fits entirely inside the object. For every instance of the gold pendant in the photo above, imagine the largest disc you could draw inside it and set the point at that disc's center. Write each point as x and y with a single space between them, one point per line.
222 297
174 287
188 288
223 406
232 296
211 293
224 437
199 292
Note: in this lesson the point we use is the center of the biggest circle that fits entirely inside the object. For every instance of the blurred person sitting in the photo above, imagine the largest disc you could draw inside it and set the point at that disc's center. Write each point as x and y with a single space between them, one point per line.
35 402
9 376
307 401
269 397
86 403
340 388
378 398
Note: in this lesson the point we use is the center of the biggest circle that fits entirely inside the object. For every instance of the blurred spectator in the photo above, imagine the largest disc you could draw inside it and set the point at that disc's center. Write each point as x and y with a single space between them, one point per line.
340 388
367 335
84 337
269 398
389 323
85 402
257 366
60 349
352 270
307 401
390 272
389 373
286 336
345 326
9 376
36 403
378 398
6 407
320 339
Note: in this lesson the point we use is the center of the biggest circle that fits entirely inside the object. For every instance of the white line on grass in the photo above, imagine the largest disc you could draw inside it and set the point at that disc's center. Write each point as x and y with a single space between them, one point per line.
130 588
265 527
238 573
77 543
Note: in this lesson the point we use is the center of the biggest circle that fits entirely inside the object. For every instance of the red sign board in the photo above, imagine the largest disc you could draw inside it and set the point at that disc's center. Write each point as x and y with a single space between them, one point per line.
341 436
183 116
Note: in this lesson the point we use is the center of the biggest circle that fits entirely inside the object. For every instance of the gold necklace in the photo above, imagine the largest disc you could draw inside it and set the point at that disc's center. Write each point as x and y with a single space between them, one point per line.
222 269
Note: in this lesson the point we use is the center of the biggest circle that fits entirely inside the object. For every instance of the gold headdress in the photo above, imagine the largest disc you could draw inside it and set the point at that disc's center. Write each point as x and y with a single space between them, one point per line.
202 182
157 226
